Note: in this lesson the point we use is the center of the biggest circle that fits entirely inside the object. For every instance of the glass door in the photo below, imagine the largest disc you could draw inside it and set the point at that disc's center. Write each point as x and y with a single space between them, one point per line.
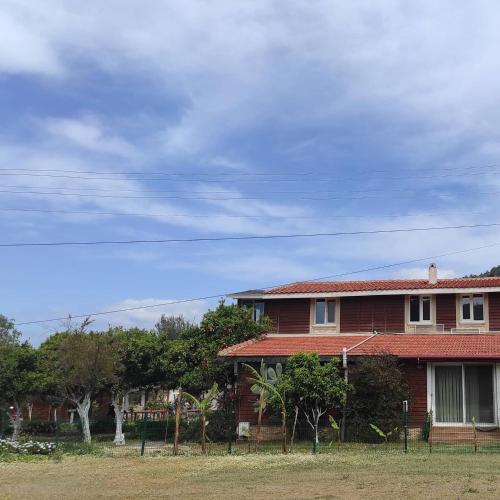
449 394
464 392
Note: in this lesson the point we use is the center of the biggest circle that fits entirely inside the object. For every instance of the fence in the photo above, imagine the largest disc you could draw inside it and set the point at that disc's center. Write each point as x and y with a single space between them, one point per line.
154 433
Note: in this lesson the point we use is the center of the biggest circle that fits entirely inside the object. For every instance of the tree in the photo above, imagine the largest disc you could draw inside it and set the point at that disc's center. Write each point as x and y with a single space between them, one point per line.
19 379
172 327
8 331
203 406
137 368
79 365
379 390
313 387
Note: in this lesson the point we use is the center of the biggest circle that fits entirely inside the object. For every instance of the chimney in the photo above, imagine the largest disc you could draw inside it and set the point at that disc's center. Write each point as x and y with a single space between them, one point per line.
433 274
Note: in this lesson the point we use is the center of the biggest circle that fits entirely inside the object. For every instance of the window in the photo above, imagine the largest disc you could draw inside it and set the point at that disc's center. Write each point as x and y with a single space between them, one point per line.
472 307
324 312
420 309
258 310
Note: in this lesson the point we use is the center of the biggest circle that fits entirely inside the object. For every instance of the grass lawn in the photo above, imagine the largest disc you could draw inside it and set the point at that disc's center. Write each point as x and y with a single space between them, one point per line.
352 474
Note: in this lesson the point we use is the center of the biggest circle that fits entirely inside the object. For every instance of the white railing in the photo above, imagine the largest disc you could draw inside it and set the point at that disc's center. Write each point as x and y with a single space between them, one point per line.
439 328
472 331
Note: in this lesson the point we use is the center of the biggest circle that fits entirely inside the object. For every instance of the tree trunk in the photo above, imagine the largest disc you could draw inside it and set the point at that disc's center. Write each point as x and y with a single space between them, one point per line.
259 418
83 408
16 421
294 426
120 405
203 434
177 422
283 430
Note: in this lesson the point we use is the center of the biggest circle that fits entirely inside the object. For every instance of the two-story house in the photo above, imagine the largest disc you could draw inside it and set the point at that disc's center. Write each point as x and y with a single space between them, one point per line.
446 332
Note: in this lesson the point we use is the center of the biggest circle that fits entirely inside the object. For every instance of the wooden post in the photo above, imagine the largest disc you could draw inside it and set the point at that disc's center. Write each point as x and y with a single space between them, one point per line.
177 422
259 418
283 431
203 437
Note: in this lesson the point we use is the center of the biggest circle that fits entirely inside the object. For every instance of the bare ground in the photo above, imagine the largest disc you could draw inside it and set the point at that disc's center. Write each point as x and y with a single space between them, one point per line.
350 475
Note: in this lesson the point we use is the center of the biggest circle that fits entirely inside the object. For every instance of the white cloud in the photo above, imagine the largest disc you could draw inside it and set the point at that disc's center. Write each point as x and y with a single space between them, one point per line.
147 318
422 273
88 133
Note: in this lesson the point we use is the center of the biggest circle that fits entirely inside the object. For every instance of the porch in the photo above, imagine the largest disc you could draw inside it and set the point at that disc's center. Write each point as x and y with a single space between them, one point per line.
464 435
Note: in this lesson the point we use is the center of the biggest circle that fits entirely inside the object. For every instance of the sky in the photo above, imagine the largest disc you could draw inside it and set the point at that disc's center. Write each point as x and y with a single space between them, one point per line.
124 120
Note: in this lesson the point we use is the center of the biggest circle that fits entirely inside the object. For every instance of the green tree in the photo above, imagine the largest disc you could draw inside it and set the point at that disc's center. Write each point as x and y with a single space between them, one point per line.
172 327
137 368
8 331
20 379
192 360
379 389
313 387
79 365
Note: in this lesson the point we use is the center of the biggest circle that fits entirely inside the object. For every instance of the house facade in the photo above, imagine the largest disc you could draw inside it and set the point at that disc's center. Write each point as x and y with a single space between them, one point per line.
445 332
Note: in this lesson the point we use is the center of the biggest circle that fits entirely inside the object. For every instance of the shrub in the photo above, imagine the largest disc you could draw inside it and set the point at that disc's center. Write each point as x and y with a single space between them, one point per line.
27 448
378 392
426 426
37 427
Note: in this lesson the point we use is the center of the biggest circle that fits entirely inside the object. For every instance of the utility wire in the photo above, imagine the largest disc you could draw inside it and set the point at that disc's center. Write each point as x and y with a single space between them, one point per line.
222 198
243 238
208 297
230 172
235 216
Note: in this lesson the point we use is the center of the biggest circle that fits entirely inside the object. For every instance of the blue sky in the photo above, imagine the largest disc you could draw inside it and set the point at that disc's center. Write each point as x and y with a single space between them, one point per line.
383 108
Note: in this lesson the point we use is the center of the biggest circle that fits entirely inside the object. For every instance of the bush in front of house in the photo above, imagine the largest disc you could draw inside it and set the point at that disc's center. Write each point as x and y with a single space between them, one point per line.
378 391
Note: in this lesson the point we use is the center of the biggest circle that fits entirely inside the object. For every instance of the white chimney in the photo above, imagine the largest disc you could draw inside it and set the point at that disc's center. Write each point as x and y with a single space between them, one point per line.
433 274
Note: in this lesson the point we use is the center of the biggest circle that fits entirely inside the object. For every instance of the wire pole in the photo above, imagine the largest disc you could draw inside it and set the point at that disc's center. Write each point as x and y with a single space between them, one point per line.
405 420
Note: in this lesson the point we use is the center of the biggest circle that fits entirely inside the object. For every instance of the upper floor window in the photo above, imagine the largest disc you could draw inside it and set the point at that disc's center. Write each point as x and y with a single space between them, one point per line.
324 312
472 307
420 309
258 310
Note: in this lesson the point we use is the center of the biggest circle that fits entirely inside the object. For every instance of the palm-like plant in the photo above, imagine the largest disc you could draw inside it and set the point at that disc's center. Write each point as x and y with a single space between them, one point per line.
271 376
203 406
273 391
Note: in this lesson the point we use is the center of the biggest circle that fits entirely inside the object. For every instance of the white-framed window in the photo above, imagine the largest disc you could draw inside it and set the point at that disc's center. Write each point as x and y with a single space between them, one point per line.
420 309
324 312
258 310
472 307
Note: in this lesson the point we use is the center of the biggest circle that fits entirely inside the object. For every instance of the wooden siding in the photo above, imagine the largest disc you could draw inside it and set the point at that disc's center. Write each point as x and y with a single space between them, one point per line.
289 315
494 310
446 310
416 377
247 399
386 314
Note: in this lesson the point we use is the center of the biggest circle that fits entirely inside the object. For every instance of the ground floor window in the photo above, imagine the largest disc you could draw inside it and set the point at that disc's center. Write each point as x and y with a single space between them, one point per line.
464 392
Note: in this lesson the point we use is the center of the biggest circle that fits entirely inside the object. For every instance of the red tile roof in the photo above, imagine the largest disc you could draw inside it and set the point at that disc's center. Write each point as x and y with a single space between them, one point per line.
380 285
426 346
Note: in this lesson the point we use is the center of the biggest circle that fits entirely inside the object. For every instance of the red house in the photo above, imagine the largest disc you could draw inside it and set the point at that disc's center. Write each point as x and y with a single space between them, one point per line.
446 333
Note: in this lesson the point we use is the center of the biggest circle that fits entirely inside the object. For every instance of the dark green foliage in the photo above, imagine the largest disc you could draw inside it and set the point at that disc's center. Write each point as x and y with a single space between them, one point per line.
378 393
172 327
493 272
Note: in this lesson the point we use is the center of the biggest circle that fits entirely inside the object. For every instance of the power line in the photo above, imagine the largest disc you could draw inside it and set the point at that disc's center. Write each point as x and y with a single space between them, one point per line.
230 172
242 238
321 278
221 198
284 177
235 216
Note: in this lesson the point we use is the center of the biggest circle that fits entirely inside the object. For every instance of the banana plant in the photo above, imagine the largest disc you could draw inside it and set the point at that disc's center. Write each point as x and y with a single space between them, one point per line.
266 375
271 390
382 434
335 426
203 406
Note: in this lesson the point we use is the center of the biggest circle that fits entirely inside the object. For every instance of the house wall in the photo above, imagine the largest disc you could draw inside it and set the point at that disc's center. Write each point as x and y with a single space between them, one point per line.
494 309
386 314
289 315
446 311
415 375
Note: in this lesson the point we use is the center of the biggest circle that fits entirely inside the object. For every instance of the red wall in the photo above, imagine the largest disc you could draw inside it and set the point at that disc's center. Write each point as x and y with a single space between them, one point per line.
446 310
416 377
385 314
289 315
494 307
